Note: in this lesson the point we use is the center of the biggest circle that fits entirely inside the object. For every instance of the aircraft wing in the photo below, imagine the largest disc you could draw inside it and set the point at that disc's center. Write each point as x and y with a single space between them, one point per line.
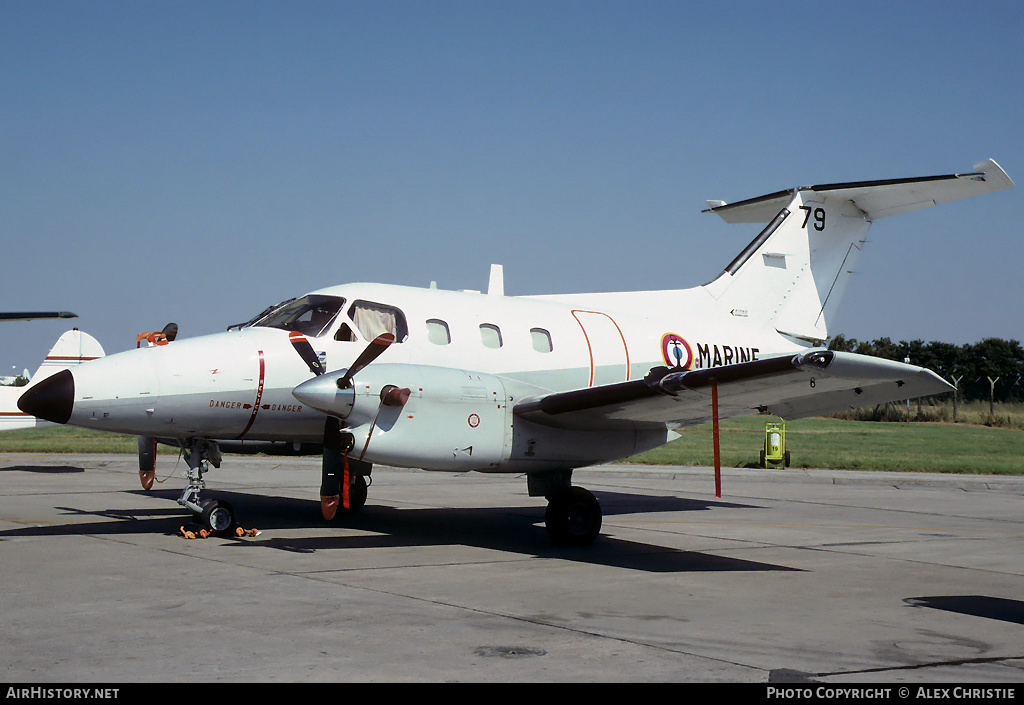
797 386
34 315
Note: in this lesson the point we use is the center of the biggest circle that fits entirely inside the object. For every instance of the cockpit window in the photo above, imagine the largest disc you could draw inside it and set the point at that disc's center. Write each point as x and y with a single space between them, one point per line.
310 315
372 319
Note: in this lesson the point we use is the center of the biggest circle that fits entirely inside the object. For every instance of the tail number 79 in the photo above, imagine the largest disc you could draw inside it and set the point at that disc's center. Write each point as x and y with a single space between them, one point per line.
819 217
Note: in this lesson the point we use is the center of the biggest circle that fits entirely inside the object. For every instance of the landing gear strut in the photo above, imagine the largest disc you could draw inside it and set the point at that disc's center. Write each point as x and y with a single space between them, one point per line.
215 515
339 469
573 516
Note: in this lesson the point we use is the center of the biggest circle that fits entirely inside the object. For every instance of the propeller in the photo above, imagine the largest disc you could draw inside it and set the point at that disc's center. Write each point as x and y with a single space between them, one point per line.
306 352
335 489
370 353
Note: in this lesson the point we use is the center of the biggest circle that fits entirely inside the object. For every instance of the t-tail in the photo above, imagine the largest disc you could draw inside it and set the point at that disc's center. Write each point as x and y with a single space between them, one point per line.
792 275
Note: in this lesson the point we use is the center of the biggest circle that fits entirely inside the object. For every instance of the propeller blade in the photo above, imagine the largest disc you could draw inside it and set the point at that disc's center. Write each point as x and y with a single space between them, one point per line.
368 355
170 331
306 352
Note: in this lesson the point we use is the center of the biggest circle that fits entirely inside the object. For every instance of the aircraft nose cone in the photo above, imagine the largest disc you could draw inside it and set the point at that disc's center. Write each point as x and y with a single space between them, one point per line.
52 399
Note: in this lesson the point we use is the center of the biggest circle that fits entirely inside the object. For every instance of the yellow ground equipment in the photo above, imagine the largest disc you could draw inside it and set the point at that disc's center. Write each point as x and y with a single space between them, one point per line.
774 452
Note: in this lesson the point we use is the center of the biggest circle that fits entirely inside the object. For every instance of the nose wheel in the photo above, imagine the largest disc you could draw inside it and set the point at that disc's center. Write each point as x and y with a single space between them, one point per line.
216 516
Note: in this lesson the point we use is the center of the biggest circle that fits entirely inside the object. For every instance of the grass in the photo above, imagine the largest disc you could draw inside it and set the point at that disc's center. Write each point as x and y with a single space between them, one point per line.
979 413
813 443
855 445
68 439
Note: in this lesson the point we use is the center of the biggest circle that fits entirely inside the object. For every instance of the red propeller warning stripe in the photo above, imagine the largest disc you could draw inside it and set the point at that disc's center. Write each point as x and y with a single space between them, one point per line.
306 352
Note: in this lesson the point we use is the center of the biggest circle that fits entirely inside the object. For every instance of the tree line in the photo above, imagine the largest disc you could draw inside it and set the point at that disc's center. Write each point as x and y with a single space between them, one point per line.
992 369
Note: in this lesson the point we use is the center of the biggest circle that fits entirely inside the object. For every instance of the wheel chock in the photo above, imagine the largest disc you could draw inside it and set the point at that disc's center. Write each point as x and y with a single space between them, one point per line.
204 534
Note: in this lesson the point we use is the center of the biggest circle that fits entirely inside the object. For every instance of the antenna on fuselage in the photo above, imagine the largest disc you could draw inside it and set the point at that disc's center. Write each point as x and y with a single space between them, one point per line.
496 284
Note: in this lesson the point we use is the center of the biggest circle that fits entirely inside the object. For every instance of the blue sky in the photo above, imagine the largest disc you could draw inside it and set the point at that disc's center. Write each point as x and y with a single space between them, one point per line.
198 161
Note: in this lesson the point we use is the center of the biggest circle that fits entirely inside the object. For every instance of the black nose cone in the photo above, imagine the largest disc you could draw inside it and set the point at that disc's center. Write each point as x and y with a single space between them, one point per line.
52 399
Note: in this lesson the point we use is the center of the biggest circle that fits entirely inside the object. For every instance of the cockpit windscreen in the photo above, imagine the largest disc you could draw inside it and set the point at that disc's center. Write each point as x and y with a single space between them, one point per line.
310 315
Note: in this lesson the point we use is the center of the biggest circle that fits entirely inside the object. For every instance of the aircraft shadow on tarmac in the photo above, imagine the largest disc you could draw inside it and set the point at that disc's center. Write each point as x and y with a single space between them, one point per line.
511 529
47 469
1001 608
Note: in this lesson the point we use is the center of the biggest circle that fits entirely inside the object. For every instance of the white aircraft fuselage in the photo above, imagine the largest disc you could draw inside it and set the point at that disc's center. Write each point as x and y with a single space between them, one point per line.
479 353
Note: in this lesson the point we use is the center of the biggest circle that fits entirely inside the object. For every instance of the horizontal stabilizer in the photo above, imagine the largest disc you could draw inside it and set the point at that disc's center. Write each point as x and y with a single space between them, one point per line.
877 199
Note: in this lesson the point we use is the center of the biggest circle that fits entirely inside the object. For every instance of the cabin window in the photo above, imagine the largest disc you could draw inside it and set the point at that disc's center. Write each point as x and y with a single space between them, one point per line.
490 335
310 315
372 319
541 340
437 332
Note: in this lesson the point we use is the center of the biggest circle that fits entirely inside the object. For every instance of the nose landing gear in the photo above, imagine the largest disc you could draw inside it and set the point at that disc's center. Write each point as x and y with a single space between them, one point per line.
216 516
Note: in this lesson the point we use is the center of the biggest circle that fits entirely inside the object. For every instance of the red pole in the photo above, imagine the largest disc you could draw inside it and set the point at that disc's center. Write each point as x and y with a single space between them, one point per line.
344 484
714 426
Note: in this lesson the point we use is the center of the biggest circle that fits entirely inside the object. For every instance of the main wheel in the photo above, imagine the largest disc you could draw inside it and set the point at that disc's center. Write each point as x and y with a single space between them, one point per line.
573 517
357 492
218 517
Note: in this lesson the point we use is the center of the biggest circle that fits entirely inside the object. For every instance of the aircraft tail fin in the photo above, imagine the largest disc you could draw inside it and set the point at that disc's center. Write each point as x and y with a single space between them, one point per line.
792 275
72 348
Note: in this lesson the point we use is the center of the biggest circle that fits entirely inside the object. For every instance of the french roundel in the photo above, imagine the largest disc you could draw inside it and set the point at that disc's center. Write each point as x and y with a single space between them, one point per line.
675 351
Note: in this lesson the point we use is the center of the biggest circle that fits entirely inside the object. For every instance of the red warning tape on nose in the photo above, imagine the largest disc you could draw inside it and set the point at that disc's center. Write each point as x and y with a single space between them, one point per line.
259 395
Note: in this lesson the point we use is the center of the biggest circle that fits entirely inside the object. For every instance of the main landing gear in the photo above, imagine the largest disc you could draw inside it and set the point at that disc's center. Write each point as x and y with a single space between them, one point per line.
573 516
343 487
214 515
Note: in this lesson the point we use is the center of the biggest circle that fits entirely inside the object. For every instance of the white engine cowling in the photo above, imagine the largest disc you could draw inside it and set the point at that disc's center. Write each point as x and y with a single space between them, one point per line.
450 419
440 418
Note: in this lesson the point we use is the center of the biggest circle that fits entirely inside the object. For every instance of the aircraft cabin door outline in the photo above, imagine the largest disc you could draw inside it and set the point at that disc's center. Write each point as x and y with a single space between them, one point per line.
606 345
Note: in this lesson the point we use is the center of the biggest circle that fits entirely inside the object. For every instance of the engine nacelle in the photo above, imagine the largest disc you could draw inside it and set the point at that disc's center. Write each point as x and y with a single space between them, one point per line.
436 418
440 418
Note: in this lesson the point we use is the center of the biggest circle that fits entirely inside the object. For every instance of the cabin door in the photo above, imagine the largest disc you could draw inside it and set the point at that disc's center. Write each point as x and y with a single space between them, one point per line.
606 347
